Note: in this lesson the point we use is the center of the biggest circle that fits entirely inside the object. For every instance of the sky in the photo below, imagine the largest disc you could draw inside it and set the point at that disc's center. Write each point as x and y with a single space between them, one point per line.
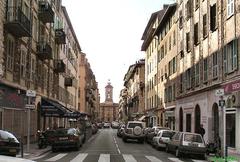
109 33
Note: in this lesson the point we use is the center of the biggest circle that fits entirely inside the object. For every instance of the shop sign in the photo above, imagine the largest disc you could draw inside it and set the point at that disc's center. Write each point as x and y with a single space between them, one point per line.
232 87
219 92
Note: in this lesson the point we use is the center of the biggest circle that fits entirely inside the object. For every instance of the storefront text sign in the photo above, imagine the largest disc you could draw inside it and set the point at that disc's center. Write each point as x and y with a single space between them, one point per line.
232 87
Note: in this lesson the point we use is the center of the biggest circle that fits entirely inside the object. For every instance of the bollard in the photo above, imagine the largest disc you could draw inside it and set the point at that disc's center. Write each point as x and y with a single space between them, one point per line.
21 144
226 153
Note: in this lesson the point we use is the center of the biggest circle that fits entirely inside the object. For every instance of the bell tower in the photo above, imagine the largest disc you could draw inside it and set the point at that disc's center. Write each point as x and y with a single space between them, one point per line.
109 92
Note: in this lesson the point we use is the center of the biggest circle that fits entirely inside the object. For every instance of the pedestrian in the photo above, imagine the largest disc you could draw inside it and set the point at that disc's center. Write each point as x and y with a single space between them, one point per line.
201 130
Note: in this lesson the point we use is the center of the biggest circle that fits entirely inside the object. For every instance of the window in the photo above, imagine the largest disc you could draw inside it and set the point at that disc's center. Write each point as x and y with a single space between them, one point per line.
205 70
162 52
174 64
169 93
174 91
33 69
170 40
188 78
174 38
170 68
196 38
230 7
188 42
23 63
196 4
215 65
213 17
165 95
230 57
181 83
180 19
188 9
197 74
205 26
10 53
166 47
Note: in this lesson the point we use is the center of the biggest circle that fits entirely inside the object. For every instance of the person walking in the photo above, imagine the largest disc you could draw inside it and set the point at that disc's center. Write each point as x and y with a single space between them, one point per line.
201 130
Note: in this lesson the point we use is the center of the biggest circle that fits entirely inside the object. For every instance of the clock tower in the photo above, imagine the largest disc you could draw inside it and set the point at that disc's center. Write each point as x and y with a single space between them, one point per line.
109 92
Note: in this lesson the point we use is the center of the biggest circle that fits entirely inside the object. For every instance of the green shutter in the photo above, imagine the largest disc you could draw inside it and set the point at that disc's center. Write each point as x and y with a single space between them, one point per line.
235 53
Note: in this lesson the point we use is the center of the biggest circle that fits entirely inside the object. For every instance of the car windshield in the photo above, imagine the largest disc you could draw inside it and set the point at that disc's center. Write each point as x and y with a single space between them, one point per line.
7 136
133 125
193 138
65 131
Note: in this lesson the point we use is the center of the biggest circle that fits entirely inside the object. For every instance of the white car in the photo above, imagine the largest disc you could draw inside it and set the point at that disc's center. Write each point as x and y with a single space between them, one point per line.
162 138
107 125
134 130
13 159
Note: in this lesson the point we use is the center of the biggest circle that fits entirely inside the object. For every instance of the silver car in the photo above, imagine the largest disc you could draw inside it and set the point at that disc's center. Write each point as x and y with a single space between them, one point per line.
162 138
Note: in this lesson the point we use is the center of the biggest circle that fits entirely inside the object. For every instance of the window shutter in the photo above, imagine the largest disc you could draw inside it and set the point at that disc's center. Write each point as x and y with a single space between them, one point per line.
225 65
235 52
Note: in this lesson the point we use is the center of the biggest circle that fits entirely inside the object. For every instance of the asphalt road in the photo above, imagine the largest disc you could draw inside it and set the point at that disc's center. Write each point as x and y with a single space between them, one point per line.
105 146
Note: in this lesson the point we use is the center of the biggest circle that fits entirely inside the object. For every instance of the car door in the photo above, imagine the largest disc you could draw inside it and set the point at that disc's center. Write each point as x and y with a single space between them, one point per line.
156 138
174 140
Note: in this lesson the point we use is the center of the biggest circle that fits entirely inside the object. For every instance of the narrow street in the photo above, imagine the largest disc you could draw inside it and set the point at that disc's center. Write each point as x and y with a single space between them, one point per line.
105 146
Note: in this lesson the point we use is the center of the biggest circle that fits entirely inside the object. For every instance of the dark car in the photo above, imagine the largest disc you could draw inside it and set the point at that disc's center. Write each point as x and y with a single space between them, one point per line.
67 138
9 145
120 130
187 143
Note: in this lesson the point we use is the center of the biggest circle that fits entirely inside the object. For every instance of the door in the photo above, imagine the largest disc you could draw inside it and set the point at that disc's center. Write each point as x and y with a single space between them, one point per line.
188 122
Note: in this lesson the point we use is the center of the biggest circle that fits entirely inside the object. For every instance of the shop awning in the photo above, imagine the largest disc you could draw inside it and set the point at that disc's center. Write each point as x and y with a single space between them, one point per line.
50 108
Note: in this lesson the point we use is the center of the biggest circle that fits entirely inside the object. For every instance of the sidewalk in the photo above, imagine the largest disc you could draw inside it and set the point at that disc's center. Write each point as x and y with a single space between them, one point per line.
233 156
34 151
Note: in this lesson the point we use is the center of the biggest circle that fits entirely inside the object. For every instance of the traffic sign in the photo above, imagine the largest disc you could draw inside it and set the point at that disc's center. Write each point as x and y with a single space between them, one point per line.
28 106
219 92
31 93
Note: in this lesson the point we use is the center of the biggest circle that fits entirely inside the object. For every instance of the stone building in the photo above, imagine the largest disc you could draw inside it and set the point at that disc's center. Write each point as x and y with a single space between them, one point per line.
108 109
39 52
134 93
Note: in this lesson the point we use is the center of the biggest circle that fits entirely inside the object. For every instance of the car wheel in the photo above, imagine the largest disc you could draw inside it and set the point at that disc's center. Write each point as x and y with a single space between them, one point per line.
204 156
177 153
54 149
124 139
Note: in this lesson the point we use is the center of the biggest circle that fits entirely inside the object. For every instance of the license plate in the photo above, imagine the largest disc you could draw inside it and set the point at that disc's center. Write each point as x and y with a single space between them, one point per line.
63 138
193 144
12 150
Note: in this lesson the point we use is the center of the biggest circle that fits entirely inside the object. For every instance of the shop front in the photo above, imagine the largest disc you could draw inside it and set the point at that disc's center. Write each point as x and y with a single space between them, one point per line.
170 118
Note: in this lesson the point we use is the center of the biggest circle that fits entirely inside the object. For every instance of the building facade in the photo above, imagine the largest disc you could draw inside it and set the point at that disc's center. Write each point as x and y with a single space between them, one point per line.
204 61
39 52
108 109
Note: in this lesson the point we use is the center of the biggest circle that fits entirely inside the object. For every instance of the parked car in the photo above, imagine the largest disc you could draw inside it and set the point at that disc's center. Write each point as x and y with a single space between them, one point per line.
162 138
9 145
187 143
107 125
100 125
120 130
67 138
134 130
151 132
13 159
94 128
115 125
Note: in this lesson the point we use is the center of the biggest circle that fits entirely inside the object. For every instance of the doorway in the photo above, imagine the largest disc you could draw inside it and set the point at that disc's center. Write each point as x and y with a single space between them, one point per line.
197 118
188 122
180 119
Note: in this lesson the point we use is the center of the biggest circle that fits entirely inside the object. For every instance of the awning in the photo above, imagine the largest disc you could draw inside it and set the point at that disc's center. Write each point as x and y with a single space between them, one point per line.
50 108
143 117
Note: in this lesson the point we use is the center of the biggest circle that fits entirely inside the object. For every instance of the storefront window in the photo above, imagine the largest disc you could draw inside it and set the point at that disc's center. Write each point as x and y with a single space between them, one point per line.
230 130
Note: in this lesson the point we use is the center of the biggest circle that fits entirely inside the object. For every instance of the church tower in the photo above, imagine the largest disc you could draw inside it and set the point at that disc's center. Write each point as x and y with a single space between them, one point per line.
109 92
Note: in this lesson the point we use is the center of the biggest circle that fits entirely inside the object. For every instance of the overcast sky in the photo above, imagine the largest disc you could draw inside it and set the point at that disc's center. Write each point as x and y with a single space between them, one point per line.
109 32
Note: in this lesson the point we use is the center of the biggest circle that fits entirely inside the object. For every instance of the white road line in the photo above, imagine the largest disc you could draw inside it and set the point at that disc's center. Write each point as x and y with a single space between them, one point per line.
115 141
104 158
199 160
129 158
175 160
57 157
153 159
79 158
39 157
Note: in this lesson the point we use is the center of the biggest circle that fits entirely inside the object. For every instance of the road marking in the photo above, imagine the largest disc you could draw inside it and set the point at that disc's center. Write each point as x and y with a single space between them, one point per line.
57 157
79 157
115 141
199 160
153 159
128 158
104 158
39 157
175 160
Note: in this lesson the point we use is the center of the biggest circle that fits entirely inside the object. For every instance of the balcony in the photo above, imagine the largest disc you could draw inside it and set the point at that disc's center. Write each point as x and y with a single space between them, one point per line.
60 36
44 50
17 23
59 66
68 82
45 12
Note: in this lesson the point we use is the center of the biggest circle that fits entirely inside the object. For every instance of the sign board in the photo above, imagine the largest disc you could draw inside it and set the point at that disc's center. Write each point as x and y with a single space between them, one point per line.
28 106
31 93
221 103
232 87
219 92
